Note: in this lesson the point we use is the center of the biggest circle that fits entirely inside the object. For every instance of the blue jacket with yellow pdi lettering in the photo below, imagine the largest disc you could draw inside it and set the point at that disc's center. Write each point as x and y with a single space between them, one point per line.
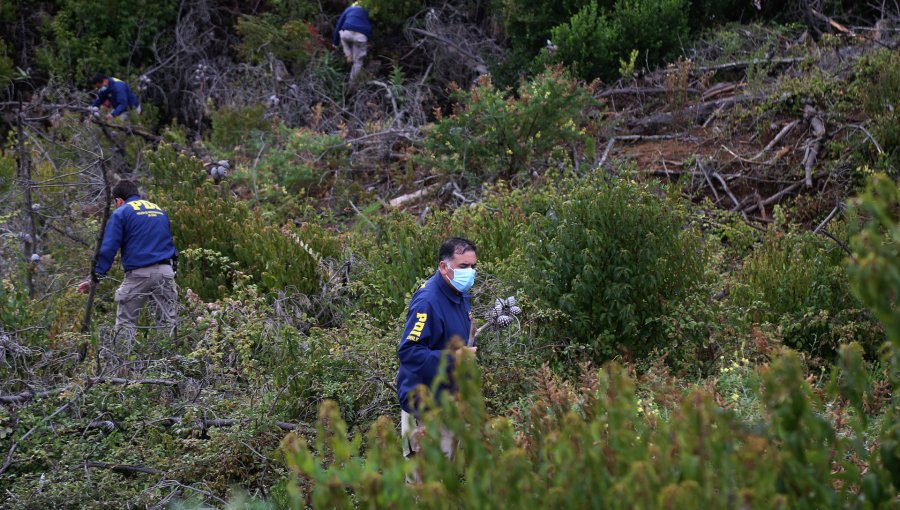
437 313
141 230
120 96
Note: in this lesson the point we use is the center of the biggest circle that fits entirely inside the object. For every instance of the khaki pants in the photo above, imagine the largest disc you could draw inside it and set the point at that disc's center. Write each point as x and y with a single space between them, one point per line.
354 44
155 283
411 432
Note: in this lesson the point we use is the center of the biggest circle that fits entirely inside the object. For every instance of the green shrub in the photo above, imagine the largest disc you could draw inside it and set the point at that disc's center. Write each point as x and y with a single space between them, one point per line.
398 256
614 258
490 136
595 447
297 160
111 36
7 69
797 281
494 223
207 272
390 15
327 363
596 39
875 266
211 218
233 126
528 22
274 256
875 277
293 42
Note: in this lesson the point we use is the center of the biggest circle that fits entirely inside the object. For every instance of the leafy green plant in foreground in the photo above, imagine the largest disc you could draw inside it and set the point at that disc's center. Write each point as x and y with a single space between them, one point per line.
593 447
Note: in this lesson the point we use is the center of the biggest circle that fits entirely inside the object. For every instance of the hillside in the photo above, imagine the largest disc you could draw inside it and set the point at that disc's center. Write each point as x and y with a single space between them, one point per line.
694 204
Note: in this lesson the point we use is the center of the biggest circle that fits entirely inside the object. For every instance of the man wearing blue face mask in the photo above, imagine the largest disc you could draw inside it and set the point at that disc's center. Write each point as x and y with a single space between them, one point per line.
438 312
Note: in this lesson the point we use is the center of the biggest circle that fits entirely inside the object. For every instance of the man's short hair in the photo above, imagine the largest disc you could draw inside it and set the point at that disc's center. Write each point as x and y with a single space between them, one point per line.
98 78
455 246
124 189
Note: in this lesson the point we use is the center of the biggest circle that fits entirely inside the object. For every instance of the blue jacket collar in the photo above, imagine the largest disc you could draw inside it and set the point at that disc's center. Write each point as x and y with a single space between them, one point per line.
132 198
452 294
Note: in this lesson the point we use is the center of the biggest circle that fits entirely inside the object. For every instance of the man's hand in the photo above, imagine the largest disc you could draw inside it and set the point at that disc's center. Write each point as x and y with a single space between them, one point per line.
84 287
473 350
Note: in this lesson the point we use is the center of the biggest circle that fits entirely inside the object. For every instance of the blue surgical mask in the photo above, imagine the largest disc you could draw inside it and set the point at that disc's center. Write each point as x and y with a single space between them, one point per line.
463 279
102 89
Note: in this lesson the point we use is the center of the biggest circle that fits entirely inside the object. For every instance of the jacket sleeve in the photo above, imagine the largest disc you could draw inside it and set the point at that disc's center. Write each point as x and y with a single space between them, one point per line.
414 352
335 38
101 97
121 101
112 240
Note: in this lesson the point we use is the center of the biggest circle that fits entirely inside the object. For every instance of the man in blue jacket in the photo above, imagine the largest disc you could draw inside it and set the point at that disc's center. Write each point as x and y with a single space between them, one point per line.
117 93
140 229
438 313
354 30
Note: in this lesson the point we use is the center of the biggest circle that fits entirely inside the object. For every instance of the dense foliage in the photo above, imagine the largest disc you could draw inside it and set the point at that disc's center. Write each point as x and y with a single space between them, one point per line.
702 244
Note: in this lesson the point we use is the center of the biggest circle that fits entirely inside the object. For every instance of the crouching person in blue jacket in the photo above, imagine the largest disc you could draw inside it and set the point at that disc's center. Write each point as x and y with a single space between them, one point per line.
116 94
140 229
353 30
438 312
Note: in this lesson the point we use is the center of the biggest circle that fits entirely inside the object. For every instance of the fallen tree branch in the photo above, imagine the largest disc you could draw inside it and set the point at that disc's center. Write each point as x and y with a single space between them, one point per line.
695 112
742 64
28 395
814 144
479 66
119 380
89 305
208 423
609 146
726 188
774 198
642 90
409 197
122 469
828 218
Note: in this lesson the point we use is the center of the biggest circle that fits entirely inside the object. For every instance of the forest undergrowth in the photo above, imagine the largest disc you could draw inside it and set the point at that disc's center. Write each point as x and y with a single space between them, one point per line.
702 231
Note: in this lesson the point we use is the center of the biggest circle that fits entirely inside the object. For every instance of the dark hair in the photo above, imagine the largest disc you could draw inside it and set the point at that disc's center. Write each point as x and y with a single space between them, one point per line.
98 78
124 189
455 246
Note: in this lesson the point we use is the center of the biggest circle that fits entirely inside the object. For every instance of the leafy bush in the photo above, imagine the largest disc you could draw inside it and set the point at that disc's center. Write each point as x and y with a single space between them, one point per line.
208 217
614 257
6 65
528 22
390 15
297 160
293 42
232 126
110 36
875 278
875 268
399 254
596 39
797 281
326 365
595 447
490 136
